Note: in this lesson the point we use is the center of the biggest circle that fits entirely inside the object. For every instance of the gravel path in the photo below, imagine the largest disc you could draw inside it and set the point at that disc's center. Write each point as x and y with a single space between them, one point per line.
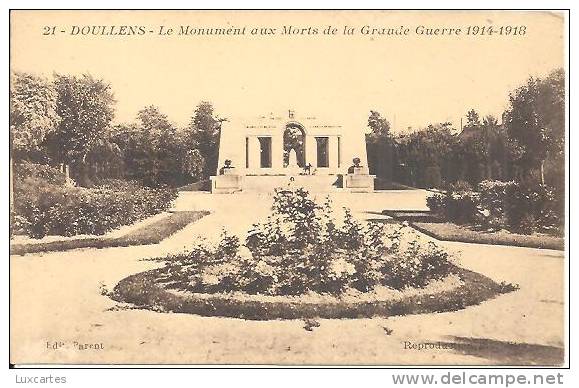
56 299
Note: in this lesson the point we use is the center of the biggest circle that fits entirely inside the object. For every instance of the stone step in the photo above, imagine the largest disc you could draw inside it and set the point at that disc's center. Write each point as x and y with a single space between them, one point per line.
312 183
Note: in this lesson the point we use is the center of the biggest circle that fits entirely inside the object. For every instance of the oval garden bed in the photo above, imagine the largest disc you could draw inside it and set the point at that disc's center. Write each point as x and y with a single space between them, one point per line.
302 263
144 291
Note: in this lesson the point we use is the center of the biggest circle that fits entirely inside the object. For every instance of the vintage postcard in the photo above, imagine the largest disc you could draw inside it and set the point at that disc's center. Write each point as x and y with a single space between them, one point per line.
304 188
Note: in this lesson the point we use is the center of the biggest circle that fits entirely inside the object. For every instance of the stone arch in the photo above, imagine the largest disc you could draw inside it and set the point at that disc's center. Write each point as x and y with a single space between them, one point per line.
294 137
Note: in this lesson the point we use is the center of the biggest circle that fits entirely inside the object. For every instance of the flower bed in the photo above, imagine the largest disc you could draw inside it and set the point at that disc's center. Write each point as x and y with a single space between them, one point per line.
145 291
302 252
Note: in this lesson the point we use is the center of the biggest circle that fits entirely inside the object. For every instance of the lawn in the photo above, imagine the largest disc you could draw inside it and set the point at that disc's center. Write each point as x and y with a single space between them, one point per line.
447 231
146 235
412 215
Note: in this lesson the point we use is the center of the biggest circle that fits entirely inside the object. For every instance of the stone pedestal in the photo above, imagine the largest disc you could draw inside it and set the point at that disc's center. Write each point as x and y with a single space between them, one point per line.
229 171
359 183
226 184
360 170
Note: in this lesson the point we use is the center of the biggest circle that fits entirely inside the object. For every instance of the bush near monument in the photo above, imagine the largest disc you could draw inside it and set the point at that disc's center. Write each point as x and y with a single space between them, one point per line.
496 205
43 205
150 233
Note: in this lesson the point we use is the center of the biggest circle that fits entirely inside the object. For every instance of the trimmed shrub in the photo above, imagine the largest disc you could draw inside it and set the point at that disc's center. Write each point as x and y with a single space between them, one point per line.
456 206
116 184
520 207
460 186
534 208
436 203
497 205
51 209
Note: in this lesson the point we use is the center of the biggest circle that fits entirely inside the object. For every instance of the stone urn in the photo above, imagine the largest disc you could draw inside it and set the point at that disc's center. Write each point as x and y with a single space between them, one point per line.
228 169
358 178
357 168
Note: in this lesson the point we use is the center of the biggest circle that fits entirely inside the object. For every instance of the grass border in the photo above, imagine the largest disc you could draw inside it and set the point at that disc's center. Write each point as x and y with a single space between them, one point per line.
142 291
412 215
481 237
148 234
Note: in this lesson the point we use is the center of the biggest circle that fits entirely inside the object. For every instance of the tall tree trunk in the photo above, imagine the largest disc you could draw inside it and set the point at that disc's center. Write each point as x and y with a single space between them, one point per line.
65 169
542 172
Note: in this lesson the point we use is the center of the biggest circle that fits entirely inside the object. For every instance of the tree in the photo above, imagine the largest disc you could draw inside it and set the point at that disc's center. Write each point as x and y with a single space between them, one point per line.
535 120
474 147
155 152
428 157
86 108
472 119
203 133
193 164
490 121
379 148
379 126
496 152
105 158
154 124
130 142
158 147
32 115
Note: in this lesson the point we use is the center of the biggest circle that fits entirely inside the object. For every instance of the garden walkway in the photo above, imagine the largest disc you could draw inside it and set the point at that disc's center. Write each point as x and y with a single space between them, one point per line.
56 298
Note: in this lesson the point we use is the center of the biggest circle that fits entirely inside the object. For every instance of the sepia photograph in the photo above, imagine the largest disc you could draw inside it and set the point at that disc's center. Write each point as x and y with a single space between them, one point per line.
288 188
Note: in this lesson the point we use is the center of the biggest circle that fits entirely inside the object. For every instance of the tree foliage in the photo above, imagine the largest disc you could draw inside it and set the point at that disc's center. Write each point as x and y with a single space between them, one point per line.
379 126
535 120
203 134
33 113
69 120
86 108
530 137
156 152
379 146
427 156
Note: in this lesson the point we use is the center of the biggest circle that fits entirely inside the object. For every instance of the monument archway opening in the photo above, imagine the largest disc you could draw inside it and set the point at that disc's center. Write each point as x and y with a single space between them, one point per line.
294 138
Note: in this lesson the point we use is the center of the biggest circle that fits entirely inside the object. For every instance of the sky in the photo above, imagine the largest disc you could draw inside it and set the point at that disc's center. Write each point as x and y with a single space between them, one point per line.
412 80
